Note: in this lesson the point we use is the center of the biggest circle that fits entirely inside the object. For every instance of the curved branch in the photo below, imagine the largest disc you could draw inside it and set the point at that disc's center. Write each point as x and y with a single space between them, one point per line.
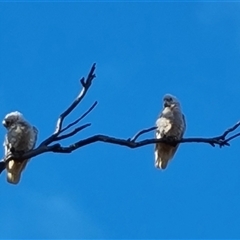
231 138
86 85
80 118
58 148
223 136
138 134
44 146
133 144
76 130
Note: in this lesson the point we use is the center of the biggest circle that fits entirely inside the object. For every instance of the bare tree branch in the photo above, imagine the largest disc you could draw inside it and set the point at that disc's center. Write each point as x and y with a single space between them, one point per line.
138 134
123 142
133 144
231 138
45 146
86 85
76 130
223 136
80 118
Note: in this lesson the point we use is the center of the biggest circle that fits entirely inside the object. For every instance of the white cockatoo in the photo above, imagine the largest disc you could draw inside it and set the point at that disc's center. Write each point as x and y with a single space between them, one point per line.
170 124
21 137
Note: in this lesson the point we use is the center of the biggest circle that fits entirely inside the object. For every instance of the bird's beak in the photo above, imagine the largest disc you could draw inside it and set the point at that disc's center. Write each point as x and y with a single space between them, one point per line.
166 104
4 123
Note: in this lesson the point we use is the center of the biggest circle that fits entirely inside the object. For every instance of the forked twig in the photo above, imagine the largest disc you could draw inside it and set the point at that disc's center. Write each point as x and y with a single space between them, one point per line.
80 118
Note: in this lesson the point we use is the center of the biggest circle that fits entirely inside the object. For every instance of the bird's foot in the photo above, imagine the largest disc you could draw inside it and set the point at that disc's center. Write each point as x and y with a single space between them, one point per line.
12 155
171 140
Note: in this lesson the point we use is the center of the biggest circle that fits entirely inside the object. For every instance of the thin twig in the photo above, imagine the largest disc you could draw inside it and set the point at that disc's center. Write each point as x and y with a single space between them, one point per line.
76 130
86 84
80 118
223 136
231 138
134 138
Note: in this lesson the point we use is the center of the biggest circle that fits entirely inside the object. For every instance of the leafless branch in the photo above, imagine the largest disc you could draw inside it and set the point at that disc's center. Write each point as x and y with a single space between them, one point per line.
45 146
130 142
231 138
76 130
80 118
229 130
86 85
138 134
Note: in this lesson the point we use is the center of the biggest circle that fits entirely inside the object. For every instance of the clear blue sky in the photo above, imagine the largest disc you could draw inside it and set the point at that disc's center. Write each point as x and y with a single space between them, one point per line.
142 51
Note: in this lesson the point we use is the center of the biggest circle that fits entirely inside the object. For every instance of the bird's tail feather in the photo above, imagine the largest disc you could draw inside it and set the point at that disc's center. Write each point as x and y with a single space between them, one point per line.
160 162
163 154
14 170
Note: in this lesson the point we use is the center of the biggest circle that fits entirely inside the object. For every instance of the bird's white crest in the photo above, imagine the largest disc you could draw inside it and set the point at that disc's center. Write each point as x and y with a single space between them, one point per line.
21 137
14 115
168 95
170 124
11 118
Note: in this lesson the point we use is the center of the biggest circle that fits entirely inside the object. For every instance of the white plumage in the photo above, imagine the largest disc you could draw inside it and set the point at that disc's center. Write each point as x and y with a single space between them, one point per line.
170 124
20 138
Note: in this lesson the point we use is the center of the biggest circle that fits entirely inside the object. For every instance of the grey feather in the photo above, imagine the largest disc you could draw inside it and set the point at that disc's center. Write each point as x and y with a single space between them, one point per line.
20 138
170 124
